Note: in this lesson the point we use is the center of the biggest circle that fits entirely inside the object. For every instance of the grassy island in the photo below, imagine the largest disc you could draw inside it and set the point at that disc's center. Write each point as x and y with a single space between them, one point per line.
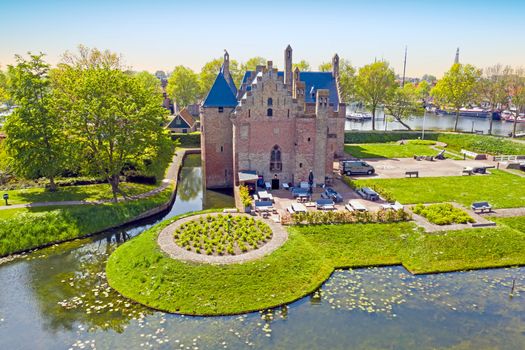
141 271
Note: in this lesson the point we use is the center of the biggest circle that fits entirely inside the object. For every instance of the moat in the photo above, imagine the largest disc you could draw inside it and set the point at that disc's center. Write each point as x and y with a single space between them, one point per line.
58 298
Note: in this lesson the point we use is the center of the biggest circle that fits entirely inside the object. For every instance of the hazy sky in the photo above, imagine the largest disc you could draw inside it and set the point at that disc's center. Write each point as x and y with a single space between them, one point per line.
161 34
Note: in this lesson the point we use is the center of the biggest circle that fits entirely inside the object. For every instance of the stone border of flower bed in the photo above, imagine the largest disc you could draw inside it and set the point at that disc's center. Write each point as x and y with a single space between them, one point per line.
167 243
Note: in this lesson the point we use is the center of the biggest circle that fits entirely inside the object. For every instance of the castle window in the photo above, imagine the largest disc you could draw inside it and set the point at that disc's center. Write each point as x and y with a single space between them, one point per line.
300 165
276 164
269 112
308 139
249 114
288 113
270 102
221 109
222 148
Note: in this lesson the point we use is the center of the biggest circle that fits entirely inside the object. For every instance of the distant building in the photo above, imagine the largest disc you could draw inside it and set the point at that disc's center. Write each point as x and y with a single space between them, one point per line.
183 122
278 124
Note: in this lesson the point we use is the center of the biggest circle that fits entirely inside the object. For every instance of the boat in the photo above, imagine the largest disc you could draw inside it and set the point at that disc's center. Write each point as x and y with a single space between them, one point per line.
475 112
359 117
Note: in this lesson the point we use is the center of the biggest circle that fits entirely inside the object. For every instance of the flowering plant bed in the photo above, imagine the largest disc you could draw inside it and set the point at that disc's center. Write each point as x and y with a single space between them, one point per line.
222 234
442 214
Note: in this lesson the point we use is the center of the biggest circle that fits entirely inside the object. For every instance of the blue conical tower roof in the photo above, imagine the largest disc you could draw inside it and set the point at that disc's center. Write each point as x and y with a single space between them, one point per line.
221 93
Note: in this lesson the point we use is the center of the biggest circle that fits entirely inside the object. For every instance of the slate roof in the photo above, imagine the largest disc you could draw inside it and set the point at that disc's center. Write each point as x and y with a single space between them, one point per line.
221 93
186 116
319 80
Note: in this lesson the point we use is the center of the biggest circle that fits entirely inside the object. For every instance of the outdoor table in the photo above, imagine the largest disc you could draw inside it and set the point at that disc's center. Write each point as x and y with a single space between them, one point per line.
263 195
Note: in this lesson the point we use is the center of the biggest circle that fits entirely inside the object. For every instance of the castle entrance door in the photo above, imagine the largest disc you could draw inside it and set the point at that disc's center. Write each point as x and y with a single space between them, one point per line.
275 184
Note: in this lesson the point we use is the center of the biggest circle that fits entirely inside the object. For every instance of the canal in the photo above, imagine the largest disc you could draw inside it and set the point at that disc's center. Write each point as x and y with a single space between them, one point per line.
432 121
58 298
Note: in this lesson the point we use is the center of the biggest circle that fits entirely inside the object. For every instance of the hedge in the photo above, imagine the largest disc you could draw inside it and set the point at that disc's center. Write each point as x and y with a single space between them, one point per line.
192 140
385 136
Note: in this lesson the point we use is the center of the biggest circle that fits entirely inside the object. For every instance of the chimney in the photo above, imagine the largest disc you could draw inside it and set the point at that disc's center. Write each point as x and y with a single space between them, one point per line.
288 68
335 66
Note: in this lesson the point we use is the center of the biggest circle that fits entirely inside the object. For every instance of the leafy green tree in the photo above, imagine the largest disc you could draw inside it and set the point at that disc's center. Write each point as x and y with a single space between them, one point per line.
210 70
325 67
457 88
183 85
4 96
303 66
423 90
148 81
493 86
112 116
403 103
517 94
36 141
252 64
374 85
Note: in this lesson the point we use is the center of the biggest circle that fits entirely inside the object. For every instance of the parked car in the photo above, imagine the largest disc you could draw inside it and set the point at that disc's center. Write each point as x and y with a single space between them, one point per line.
351 167
333 195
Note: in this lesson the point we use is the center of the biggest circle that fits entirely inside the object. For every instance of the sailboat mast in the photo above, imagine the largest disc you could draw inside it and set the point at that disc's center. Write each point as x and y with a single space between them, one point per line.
404 68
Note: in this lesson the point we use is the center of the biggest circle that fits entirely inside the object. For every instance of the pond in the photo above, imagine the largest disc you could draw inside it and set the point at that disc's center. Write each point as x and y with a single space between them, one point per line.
58 298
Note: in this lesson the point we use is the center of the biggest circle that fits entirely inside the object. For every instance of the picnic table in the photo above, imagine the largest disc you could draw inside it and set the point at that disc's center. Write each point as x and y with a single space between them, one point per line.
298 208
481 206
265 196
368 193
325 204
356 205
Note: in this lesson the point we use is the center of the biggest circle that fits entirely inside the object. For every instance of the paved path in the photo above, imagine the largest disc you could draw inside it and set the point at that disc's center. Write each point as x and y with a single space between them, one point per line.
167 243
171 177
506 213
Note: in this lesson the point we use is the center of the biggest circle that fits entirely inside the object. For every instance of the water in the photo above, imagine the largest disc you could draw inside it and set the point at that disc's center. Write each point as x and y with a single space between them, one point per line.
435 122
58 298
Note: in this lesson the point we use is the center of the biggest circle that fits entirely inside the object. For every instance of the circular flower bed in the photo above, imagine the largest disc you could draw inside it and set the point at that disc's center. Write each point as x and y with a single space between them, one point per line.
222 234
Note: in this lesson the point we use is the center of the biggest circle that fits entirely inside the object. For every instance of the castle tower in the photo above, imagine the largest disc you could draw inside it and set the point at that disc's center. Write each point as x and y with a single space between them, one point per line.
288 68
322 111
226 64
456 59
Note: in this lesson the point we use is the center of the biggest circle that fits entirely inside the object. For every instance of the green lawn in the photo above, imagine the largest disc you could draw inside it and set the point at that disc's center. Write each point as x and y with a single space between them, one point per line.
501 189
389 150
74 193
140 271
27 228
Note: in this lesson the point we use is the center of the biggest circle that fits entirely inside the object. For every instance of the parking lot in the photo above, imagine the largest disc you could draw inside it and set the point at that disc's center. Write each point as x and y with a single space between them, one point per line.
397 168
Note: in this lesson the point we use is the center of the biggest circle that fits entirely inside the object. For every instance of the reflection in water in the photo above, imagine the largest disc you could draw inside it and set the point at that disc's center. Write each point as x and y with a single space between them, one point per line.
58 298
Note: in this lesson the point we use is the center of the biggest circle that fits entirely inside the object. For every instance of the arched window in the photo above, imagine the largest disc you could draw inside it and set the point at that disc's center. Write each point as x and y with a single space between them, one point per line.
269 112
276 164
270 102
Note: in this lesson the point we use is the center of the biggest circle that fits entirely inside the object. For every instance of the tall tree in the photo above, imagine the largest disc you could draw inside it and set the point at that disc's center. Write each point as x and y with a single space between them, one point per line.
429 78
210 70
149 81
252 63
36 141
403 103
325 67
4 96
111 115
493 86
517 95
423 90
374 84
183 86
303 66
457 88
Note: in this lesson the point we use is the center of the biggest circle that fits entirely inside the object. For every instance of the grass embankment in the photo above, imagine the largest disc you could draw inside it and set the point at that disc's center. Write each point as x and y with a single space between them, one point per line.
140 271
74 193
500 189
27 228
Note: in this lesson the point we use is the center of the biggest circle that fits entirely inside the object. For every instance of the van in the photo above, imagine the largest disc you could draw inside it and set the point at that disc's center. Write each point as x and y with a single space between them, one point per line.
352 167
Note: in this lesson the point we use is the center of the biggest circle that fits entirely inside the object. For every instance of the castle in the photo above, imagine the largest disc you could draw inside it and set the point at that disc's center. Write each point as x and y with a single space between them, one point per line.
278 124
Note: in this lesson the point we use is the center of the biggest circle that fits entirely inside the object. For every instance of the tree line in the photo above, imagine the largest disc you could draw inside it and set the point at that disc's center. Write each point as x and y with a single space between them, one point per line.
86 116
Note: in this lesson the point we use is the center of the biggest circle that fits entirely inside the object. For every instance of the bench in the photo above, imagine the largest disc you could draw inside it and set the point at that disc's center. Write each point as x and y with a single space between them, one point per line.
410 173
481 206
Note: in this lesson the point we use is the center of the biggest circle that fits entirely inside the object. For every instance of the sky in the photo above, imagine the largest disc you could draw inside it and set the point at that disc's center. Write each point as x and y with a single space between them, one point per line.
161 34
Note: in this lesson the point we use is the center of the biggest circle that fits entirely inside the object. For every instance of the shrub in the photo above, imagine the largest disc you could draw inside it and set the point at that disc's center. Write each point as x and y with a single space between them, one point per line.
442 214
421 142
244 193
347 217
482 144
385 136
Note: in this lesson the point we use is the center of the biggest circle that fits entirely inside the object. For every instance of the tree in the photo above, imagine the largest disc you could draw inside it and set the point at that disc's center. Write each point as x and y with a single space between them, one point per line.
4 96
36 141
325 67
148 81
303 66
517 93
493 86
111 115
457 88
423 90
210 70
252 64
403 103
374 84
183 85
429 78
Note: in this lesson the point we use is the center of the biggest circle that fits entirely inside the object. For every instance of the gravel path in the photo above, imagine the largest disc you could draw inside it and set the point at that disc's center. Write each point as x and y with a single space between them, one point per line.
167 244
171 177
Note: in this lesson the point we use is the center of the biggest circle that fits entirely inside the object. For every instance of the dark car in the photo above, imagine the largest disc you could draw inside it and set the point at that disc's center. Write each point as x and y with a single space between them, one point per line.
333 195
